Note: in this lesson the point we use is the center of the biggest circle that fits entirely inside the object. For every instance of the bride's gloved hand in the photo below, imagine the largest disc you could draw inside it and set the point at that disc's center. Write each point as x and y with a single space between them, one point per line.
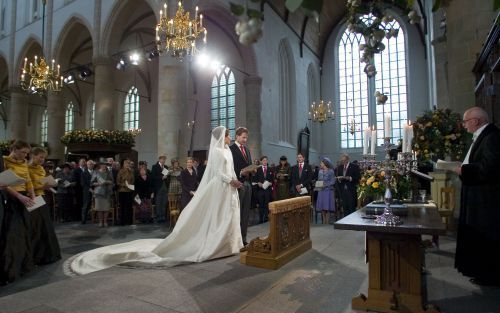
236 183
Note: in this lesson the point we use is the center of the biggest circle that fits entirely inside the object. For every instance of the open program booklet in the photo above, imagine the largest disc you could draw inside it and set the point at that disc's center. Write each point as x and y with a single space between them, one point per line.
447 165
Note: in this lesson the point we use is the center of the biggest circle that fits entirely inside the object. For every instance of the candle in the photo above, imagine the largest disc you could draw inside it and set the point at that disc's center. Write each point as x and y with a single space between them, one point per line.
31 67
58 69
374 140
405 139
366 142
201 20
25 63
161 14
165 10
53 61
409 137
35 60
387 126
190 28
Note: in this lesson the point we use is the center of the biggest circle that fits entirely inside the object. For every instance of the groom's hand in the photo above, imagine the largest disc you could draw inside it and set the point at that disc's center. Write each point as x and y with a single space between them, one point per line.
236 183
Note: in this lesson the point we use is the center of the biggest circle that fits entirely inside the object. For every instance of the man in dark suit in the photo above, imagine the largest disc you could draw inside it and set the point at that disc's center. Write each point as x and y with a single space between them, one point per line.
76 178
348 176
263 190
159 188
300 177
478 232
86 194
242 159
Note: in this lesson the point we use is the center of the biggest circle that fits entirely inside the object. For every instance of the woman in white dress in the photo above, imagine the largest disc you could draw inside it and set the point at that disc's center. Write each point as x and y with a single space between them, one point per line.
208 227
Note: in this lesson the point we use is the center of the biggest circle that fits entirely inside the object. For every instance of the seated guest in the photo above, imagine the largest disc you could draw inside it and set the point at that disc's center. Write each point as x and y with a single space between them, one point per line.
43 237
189 183
325 202
144 190
263 178
15 241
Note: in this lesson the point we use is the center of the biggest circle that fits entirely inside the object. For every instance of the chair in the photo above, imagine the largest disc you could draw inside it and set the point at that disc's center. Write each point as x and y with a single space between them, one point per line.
447 204
173 208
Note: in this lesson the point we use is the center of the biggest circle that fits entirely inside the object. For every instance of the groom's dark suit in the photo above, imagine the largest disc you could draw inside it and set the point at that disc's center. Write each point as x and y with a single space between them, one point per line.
245 192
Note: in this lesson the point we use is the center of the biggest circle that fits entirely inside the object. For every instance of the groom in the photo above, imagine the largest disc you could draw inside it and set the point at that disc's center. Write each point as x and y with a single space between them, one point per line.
242 159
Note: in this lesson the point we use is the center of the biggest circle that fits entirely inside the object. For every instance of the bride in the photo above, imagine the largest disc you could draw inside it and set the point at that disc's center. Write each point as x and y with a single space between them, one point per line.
208 228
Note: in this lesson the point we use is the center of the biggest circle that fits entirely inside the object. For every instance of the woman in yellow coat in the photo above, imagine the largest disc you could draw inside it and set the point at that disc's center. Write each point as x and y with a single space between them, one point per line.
43 237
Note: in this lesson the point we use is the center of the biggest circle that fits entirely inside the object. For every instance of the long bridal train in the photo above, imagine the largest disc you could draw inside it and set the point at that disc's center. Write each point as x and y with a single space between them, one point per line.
208 227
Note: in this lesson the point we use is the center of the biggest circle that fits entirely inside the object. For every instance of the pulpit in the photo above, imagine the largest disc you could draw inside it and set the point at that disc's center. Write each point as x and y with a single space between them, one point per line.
395 259
288 235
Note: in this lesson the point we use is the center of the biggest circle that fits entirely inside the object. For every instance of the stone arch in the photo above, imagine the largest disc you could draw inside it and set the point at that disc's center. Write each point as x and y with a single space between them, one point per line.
73 21
4 73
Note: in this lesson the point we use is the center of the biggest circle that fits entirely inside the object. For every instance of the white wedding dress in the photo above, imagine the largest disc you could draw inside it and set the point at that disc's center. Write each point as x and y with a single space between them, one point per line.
208 227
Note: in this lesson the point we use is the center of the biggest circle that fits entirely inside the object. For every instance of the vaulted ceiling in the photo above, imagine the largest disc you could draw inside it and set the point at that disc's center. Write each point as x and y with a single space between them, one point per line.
332 13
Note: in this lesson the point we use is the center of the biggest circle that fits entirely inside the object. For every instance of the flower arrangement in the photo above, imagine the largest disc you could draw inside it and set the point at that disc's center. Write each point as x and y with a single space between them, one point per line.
440 133
373 183
99 136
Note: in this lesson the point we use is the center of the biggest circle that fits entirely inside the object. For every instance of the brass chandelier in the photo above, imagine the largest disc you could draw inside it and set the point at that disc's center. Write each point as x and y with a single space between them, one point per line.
321 111
178 34
40 77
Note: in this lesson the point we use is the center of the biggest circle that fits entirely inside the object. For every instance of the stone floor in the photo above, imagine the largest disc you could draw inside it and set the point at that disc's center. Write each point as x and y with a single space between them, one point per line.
322 280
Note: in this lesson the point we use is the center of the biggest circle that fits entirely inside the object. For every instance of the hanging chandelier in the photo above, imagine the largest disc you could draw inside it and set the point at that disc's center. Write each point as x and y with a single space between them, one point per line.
178 34
40 77
321 111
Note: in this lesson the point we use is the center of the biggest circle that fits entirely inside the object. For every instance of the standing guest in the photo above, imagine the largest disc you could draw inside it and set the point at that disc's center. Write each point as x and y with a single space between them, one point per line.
242 159
325 202
76 179
159 187
196 163
174 182
44 242
86 189
283 179
348 176
201 170
264 178
15 243
124 179
102 181
144 189
64 194
301 176
478 233
189 182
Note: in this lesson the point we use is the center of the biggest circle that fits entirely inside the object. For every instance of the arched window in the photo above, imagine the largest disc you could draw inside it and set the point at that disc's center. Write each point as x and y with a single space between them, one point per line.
356 91
286 104
44 126
92 116
131 110
70 118
223 99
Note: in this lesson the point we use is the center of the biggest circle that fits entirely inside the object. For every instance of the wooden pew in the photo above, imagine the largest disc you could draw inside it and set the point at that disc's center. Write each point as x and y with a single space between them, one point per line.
288 235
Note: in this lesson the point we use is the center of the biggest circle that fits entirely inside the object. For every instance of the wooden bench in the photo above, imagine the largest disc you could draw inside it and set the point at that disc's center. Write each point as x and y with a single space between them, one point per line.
288 235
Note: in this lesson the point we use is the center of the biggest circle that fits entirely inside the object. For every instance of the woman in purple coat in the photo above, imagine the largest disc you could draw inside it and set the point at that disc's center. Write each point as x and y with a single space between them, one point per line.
325 202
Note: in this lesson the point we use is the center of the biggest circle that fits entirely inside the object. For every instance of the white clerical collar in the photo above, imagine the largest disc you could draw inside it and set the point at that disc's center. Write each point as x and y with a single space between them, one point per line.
478 132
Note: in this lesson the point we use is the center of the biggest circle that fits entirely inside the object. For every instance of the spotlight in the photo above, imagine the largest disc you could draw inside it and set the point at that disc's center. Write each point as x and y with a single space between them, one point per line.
134 58
152 54
215 64
202 60
122 64
85 72
69 79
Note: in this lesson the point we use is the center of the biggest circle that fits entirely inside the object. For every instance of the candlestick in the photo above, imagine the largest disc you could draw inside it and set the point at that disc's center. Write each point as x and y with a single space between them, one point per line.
409 137
387 126
374 140
405 139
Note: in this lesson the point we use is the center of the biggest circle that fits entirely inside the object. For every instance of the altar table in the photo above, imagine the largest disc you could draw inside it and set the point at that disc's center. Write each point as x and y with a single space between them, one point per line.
395 257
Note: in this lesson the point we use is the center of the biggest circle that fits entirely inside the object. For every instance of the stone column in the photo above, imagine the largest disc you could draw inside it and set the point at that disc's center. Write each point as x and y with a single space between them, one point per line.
103 94
171 99
253 87
18 115
56 112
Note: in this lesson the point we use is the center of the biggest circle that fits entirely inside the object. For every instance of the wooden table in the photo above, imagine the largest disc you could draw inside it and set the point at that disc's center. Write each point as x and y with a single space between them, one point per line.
395 260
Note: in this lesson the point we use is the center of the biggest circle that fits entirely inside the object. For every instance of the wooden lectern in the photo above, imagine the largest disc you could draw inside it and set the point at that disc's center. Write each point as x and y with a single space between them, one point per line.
288 235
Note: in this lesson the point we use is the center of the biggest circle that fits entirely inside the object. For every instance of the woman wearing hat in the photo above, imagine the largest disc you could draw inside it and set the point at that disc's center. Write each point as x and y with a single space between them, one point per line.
325 202
283 179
